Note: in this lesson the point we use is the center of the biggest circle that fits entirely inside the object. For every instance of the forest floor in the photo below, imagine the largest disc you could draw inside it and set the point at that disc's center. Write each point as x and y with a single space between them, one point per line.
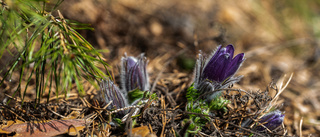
277 42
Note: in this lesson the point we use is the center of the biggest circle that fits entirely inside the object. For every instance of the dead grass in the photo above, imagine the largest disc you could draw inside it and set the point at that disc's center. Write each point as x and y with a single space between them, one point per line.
277 40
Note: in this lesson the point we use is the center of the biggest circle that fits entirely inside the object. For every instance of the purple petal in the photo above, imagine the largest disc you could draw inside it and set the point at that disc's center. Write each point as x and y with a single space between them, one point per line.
272 120
110 92
138 79
218 64
215 71
133 74
230 50
216 55
234 65
273 124
270 116
131 62
278 121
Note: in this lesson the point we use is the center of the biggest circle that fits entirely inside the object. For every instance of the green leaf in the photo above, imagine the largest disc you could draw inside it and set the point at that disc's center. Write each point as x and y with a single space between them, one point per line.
192 93
135 95
218 104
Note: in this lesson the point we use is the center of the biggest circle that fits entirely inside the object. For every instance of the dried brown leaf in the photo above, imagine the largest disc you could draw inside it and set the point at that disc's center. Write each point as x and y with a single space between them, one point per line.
142 131
43 129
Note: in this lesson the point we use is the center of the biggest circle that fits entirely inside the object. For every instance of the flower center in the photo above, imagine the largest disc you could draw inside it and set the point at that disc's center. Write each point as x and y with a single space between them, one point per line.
226 55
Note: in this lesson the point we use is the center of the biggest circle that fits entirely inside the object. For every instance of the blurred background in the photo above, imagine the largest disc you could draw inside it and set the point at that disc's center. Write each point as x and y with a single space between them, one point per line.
277 37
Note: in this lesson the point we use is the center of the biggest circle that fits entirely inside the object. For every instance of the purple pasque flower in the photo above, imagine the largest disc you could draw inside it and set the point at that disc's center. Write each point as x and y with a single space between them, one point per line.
218 69
134 73
272 120
222 65
110 92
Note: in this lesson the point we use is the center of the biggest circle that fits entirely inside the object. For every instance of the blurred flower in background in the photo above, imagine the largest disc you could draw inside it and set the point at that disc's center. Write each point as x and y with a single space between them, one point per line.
272 120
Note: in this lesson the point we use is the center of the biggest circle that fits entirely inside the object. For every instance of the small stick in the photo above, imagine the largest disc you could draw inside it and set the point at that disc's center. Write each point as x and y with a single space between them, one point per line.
300 126
55 113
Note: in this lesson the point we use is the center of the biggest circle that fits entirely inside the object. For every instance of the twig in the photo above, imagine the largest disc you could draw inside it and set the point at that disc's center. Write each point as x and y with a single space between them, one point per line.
281 89
300 127
128 127
203 115
55 113
201 133
215 126
163 105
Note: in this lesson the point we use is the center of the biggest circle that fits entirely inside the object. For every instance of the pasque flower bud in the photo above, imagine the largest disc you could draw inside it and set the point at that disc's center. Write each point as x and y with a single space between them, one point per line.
110 92
134 73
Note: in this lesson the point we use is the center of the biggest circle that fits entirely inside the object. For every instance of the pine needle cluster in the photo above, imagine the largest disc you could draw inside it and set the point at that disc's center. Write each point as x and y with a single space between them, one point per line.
48 48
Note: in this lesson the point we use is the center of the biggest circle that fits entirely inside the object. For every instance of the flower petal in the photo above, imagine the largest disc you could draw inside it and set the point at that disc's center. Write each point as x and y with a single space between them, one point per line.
131 62
216 54
110 92
234 65
230 50
215 71
271 120
133 74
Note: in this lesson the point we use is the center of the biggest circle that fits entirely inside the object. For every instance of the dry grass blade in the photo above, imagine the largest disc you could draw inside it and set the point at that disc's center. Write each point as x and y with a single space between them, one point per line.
164 119
278 37
282 86
300 127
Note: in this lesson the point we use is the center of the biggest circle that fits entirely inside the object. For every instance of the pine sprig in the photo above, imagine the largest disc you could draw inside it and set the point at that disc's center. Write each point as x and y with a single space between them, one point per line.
49 49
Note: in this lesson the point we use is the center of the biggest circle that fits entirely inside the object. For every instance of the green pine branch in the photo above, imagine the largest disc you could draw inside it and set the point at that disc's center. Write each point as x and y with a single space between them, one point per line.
49 49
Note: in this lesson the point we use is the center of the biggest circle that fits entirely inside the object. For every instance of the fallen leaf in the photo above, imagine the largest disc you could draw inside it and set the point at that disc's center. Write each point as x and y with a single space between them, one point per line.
43 129
142 131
